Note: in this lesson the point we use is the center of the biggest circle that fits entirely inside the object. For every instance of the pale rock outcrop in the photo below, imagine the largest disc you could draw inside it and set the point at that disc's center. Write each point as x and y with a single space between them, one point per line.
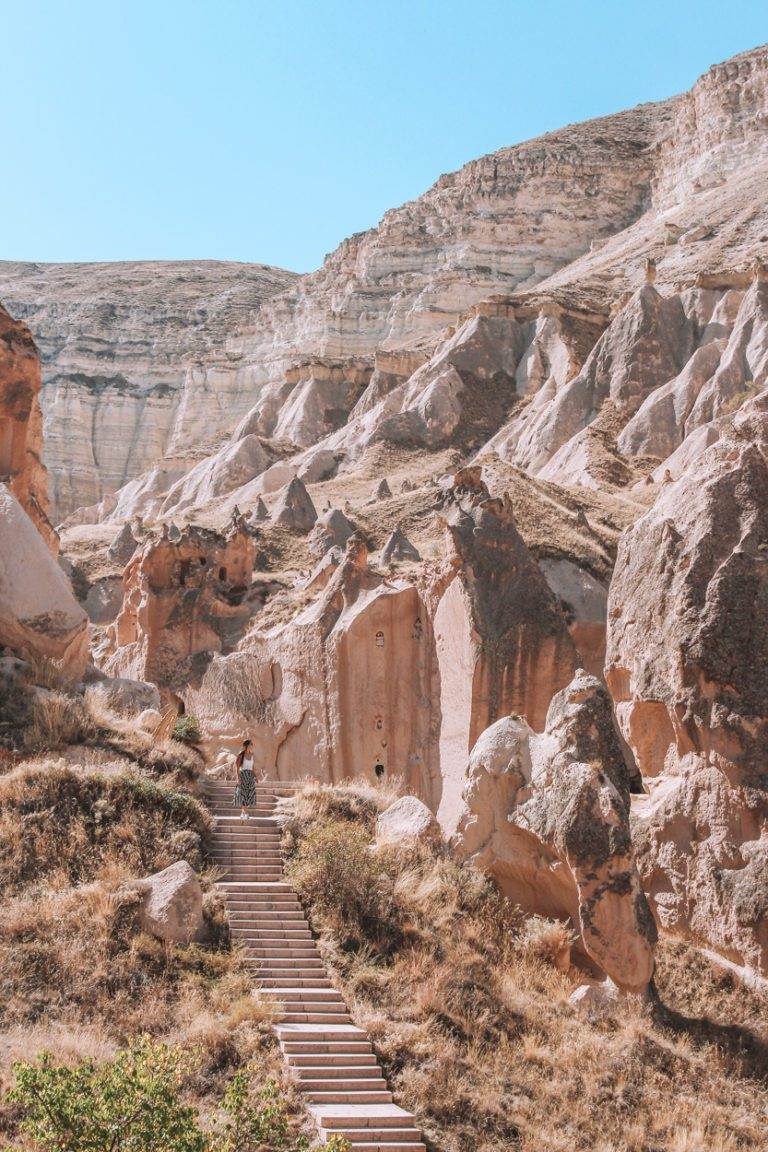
39 616
123 546
382 491
502 641
407 820
347 684
172 904
547 815
321 397
294 508
182 602
398 548
21 425
332 530
260 512
124 347
686 665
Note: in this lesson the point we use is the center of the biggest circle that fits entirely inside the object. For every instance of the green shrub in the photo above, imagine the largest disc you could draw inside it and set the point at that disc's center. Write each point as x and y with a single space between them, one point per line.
135 1103
130 1103
187 730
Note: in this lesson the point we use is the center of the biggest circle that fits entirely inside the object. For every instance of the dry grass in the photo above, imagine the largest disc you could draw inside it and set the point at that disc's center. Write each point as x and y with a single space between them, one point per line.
77 975
471 1017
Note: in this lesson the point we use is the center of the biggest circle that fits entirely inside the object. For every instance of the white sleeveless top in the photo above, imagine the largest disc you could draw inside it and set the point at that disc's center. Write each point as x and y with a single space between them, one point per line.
247 764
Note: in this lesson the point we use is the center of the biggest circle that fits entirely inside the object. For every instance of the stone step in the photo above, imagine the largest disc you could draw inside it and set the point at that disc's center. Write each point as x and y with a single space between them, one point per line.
292 981
311 1049
342 1084
315 1018
240 887
361 1097
307 1073
332 1060
322 993
378 1118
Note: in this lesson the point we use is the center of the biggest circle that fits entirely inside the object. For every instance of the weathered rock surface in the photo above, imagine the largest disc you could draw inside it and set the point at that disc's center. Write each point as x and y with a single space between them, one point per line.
172 904
294 508
547 815
39 616
407 820
21 424
687 665
124 348
399 548
502 641
332 530
182 602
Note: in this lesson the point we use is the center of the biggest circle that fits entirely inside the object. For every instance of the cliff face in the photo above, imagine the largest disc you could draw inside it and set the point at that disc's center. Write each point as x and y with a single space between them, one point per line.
21 431
123 347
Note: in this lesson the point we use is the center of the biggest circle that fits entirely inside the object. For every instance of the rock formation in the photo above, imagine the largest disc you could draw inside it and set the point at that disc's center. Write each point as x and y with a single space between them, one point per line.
98 385
407 820
260 512
332 530
397 548
502 642
39 616
182 601
686 665
21 425
294 508
547 815
123 546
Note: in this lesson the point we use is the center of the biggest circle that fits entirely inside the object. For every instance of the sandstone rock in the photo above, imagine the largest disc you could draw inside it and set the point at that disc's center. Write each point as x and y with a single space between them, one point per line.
398 548
294 508
128 697
408 819
182 601
149 719
21 425
97 383
686 665
39 616
332 530
260 512
382 491
172 904
123 546
547 815
502 641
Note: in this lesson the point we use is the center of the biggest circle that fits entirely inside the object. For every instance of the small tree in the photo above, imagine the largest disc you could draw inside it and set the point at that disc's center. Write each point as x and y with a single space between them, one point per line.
257 1120
129 1104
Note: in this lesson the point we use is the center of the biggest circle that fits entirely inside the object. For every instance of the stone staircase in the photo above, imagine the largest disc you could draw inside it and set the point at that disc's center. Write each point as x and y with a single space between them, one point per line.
332 1060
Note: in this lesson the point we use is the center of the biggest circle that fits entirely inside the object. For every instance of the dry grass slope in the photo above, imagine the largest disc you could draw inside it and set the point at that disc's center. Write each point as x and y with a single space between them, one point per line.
470 1014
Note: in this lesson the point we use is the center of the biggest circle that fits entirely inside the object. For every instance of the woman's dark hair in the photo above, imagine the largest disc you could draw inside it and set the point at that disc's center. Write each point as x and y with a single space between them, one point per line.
247 743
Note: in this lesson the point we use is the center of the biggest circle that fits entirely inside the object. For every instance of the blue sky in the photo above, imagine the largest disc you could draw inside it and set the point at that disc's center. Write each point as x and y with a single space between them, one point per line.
269 131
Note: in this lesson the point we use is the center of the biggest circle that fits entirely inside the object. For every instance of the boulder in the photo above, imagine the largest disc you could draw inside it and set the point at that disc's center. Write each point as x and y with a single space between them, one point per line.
398 548
294 508
39 616
547 815
382 491
149 719
128 697
408 819
172 904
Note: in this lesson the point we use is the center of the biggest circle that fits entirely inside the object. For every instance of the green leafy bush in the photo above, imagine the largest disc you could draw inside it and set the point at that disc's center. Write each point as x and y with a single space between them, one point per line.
135 1103
131 1103
187 730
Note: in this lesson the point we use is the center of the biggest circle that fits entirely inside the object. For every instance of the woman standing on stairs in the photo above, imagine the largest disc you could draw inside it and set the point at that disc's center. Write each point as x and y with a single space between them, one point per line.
245 792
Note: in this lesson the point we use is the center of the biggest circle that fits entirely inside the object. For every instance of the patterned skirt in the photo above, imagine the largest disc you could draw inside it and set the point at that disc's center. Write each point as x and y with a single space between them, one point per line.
245 792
